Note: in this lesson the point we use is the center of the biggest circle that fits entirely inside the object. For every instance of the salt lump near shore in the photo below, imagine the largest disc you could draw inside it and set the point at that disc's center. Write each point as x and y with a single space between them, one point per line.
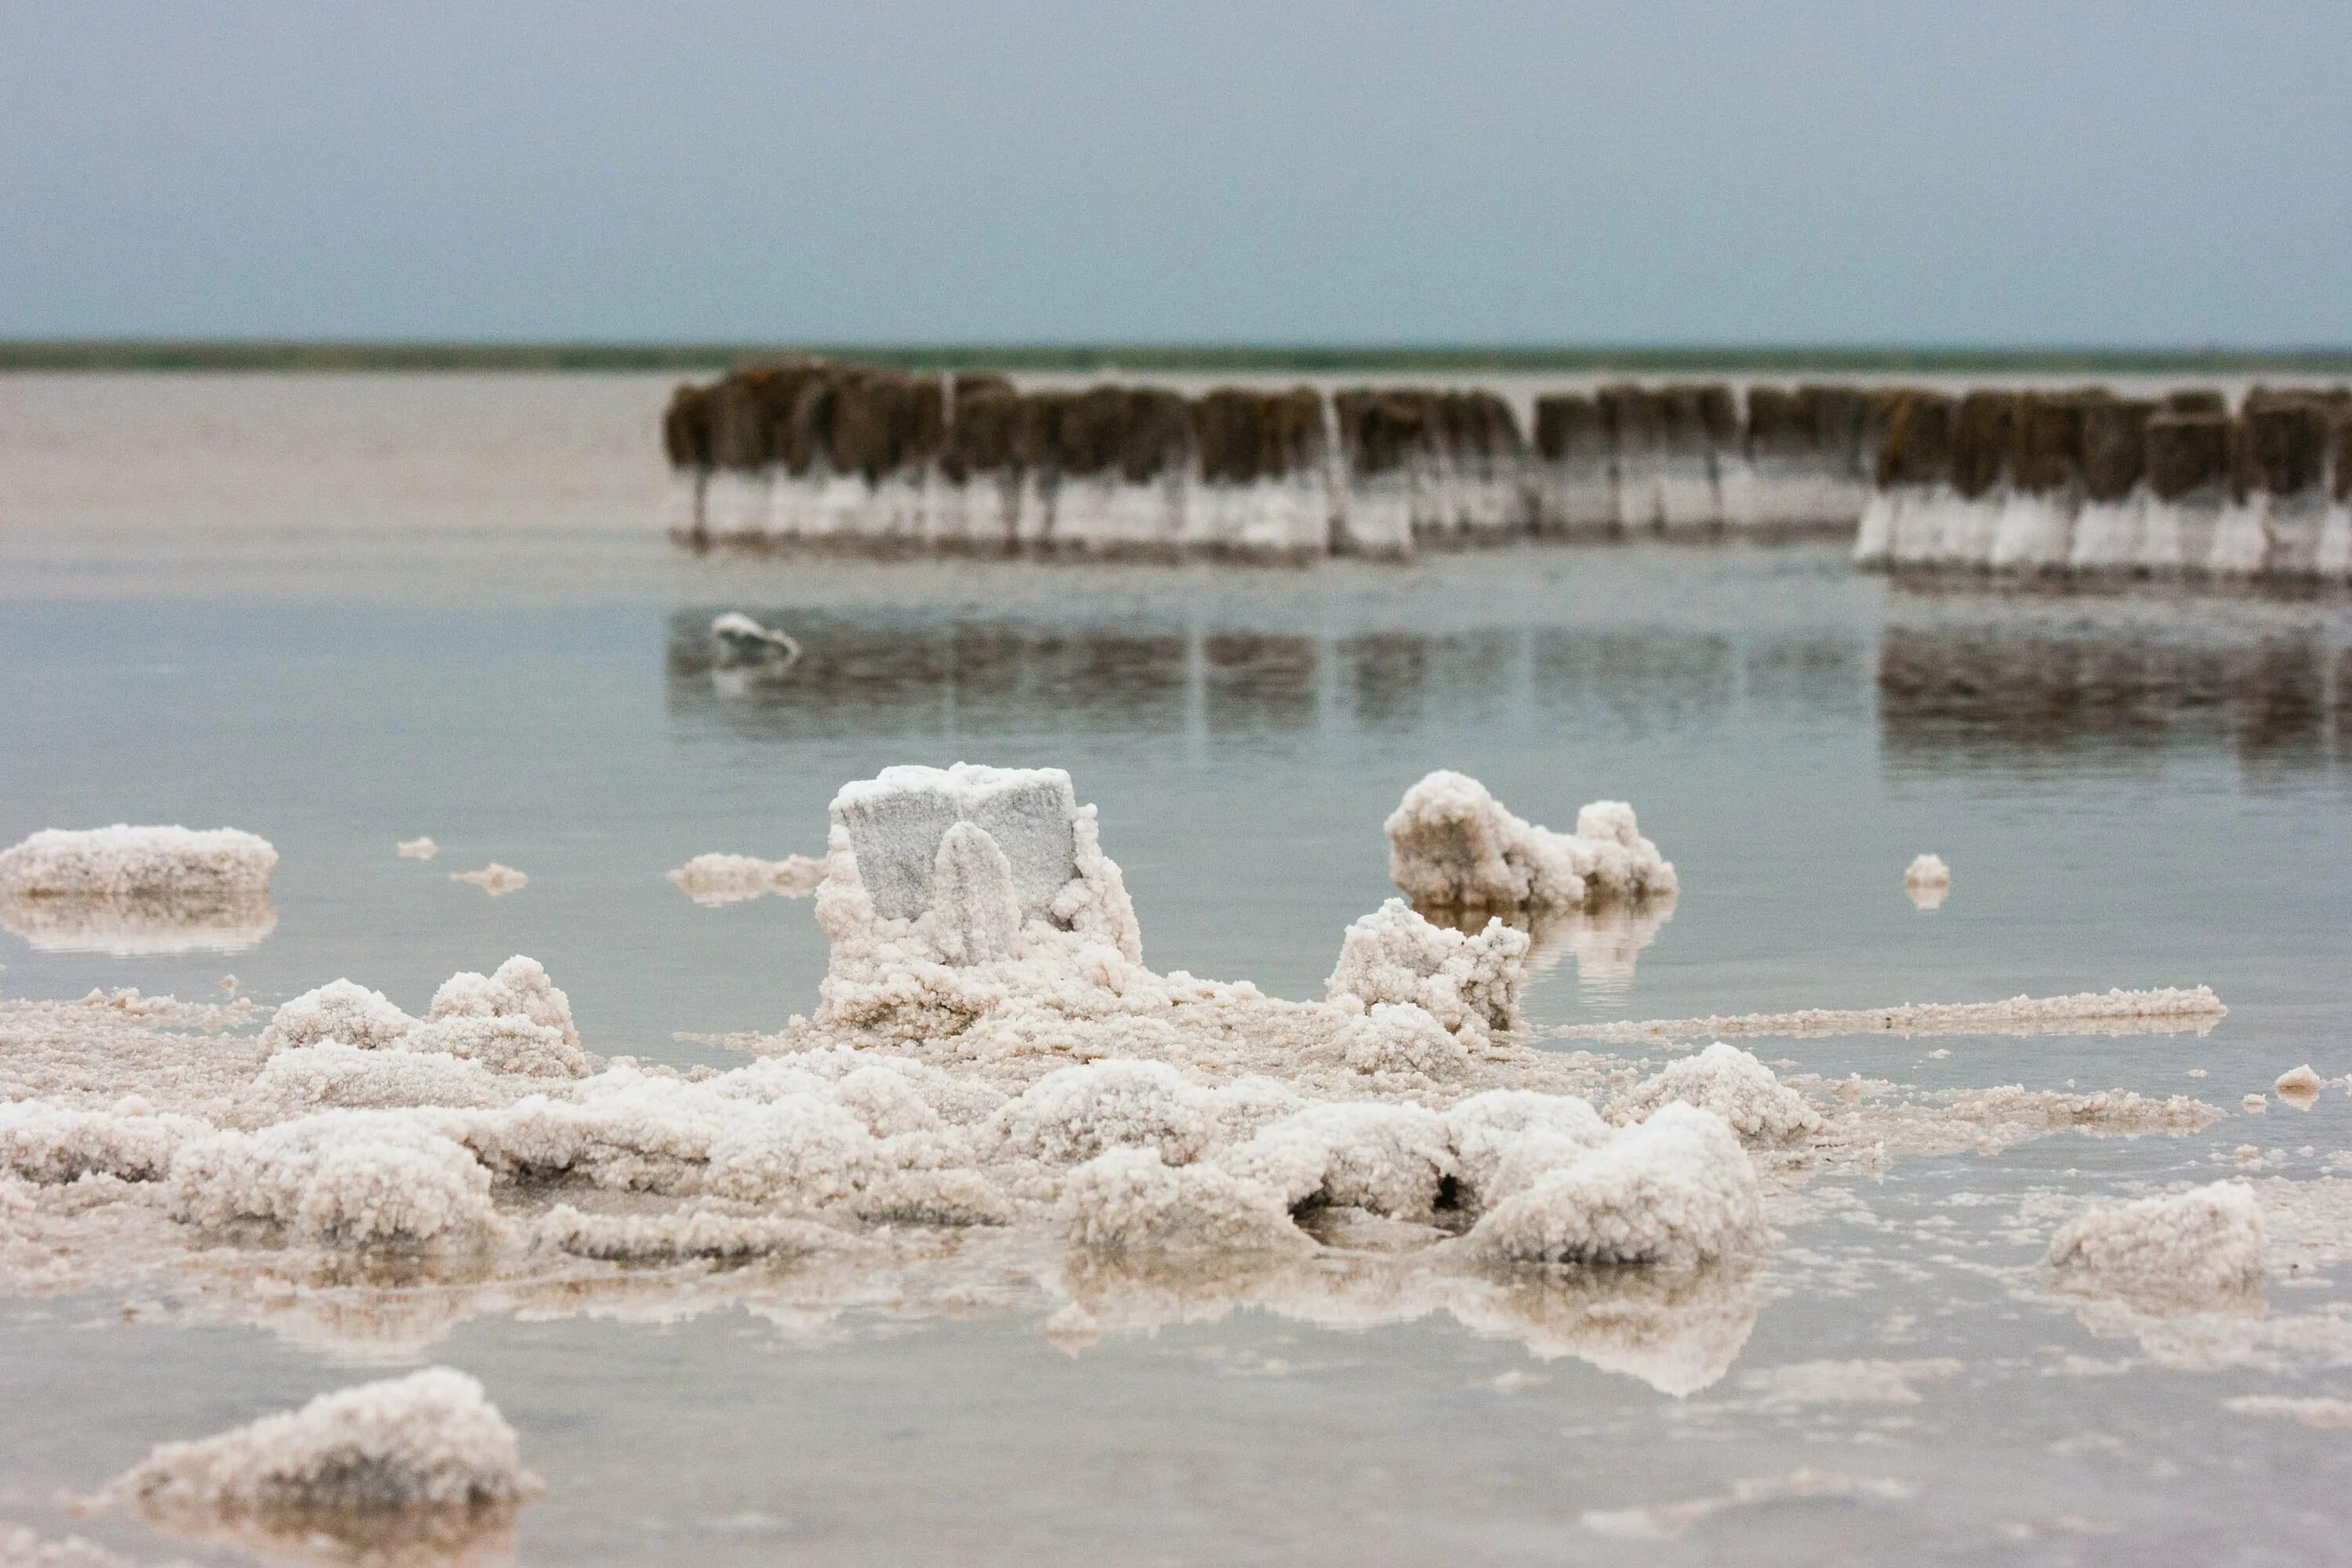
1451 845
126 861
130 890
1928 882
1731 1083
739 642
2198 1249
431 1440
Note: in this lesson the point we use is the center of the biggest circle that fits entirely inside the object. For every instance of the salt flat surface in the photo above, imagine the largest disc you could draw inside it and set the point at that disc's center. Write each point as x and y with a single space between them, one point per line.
2135 790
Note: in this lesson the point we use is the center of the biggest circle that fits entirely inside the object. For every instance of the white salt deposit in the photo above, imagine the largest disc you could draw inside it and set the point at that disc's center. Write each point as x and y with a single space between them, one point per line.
334 1075
2115 1012
699 1230
1731 1083
340 1010
1671 1521
2299 1087
1470 985
49 1143
731 878
126 861
494 878
355 1178
1451 844
1676 1188
1133 1199
738 641
431 1439
519 988
418 848
1928 882
2192 1249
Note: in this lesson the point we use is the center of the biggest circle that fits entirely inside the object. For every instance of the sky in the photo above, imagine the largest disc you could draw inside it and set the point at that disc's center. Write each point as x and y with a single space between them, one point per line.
2063 173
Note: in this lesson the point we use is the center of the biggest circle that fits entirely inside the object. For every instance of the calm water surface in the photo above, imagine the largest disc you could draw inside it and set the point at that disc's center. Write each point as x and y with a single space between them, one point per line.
2132 789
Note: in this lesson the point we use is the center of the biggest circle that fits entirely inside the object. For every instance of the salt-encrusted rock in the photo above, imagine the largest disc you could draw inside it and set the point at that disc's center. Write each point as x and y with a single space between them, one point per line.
124 861
49 1143
1731 1083
431 1439
897 820
739 642
1131 1199
2200 1248
1451 844
1675 1189
1470 985
340 1010
1505 1138
353 1178
519 988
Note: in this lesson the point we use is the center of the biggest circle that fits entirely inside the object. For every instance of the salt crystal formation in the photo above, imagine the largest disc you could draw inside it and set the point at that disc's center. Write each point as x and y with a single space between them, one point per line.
128 890
494 878
419 849
2299 1087
2195 1250
1453 844
431 1440
1731 1083
125 861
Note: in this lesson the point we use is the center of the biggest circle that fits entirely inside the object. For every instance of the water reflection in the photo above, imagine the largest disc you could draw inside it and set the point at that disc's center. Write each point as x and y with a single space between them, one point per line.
1957 696
905 675
1605 939
131 924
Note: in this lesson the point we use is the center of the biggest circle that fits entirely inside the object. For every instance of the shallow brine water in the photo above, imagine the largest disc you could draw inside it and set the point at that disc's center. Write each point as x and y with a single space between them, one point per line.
354 638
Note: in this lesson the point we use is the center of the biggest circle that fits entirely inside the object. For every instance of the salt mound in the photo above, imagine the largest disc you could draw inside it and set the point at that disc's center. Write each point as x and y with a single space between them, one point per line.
340 1010
1073 1115
417 848
519 988
1731 1083
1470 985
341 1177
53 1144
1451 844
122 860
1130 1198
2299 1087
1504 1139
731 878
332 1075
431 1439
1928 882
1677 1189
697 1231
2200 1248
1393 1160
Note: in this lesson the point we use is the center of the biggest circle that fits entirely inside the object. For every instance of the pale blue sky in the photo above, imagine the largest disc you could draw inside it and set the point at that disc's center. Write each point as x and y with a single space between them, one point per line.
2030 173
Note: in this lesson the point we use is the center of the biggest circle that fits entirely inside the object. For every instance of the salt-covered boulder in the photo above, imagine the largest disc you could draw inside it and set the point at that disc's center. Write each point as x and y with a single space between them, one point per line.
519 988
2198 1249
1131 1199
351 1178
1504 1139
1675 1189
897 820
341 1010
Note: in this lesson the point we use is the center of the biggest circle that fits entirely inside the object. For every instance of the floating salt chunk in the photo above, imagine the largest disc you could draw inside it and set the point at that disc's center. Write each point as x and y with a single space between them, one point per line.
2255 1104
737 642
2299 1088
2192 1251
429 1440
731 878
897 820
1928 882
493 879
1451 844
1731 1083
416 849
122 860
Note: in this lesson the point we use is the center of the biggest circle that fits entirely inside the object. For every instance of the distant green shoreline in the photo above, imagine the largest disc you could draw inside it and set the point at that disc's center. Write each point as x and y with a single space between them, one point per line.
222 354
